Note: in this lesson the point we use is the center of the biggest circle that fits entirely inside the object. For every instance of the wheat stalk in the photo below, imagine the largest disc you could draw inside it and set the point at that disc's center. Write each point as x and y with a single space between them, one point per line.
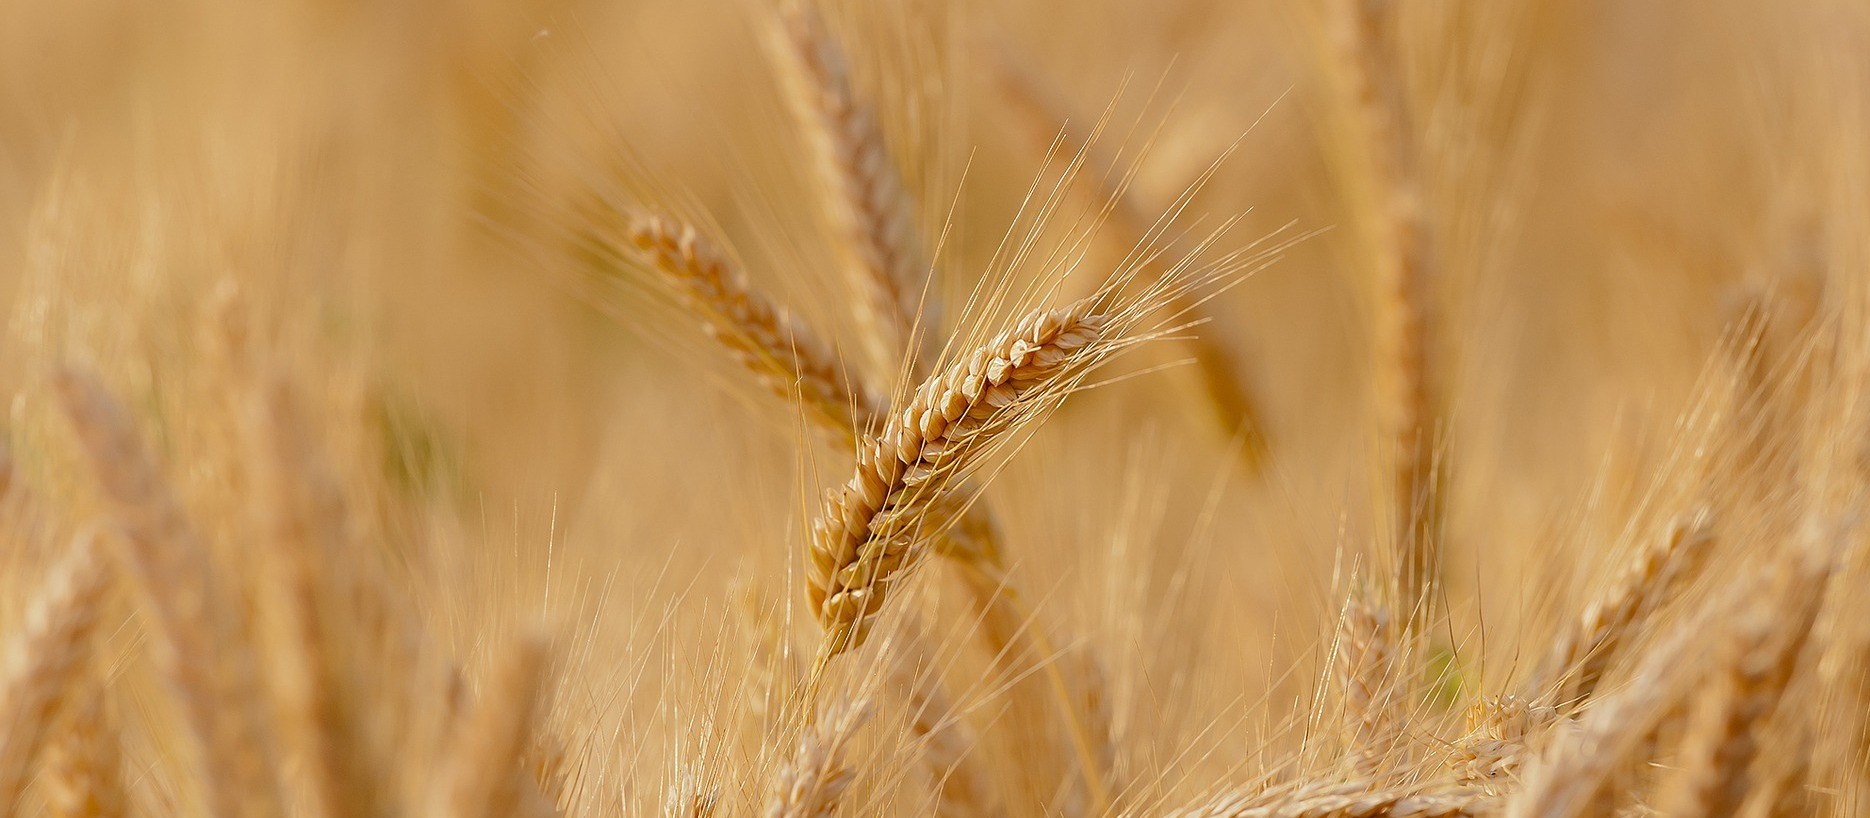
860 187
44 662
208 668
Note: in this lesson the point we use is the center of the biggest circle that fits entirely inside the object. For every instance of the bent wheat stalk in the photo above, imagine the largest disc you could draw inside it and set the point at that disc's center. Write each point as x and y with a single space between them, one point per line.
486 777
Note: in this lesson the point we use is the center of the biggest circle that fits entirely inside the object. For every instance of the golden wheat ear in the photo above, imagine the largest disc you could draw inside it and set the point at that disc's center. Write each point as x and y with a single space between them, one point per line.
45 662
1367 681
210 670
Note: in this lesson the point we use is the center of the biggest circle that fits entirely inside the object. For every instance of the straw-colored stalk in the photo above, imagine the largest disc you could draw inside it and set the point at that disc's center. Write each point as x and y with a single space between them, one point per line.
860 187
1408 402
210 669
44 661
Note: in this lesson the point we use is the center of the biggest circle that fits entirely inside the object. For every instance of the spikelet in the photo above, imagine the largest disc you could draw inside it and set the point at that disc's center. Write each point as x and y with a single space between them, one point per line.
83 775
871 527
811 783
210 671
778 350
860 188
486 777
1501 731
45 660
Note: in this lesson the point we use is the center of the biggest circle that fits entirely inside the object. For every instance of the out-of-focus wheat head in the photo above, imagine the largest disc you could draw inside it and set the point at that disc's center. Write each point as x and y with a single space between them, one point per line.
914 408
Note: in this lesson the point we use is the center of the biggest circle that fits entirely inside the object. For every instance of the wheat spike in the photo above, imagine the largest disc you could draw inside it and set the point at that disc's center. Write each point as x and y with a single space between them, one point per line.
1500 733
859 184
44 662
779 350
487 775
812 782
1407 396
210 671
83 775
1583 652
870 527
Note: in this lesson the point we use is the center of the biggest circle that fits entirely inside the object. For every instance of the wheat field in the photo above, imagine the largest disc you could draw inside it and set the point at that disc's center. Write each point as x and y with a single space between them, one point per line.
794 408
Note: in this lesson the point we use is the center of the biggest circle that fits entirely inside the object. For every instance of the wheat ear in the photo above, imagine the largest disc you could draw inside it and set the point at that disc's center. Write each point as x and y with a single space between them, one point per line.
812 782
486 777
44 661
1500 733
1584 651
1351 800
1407 397
1366 678
210 670
783 353
859 184
83 775
872 526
